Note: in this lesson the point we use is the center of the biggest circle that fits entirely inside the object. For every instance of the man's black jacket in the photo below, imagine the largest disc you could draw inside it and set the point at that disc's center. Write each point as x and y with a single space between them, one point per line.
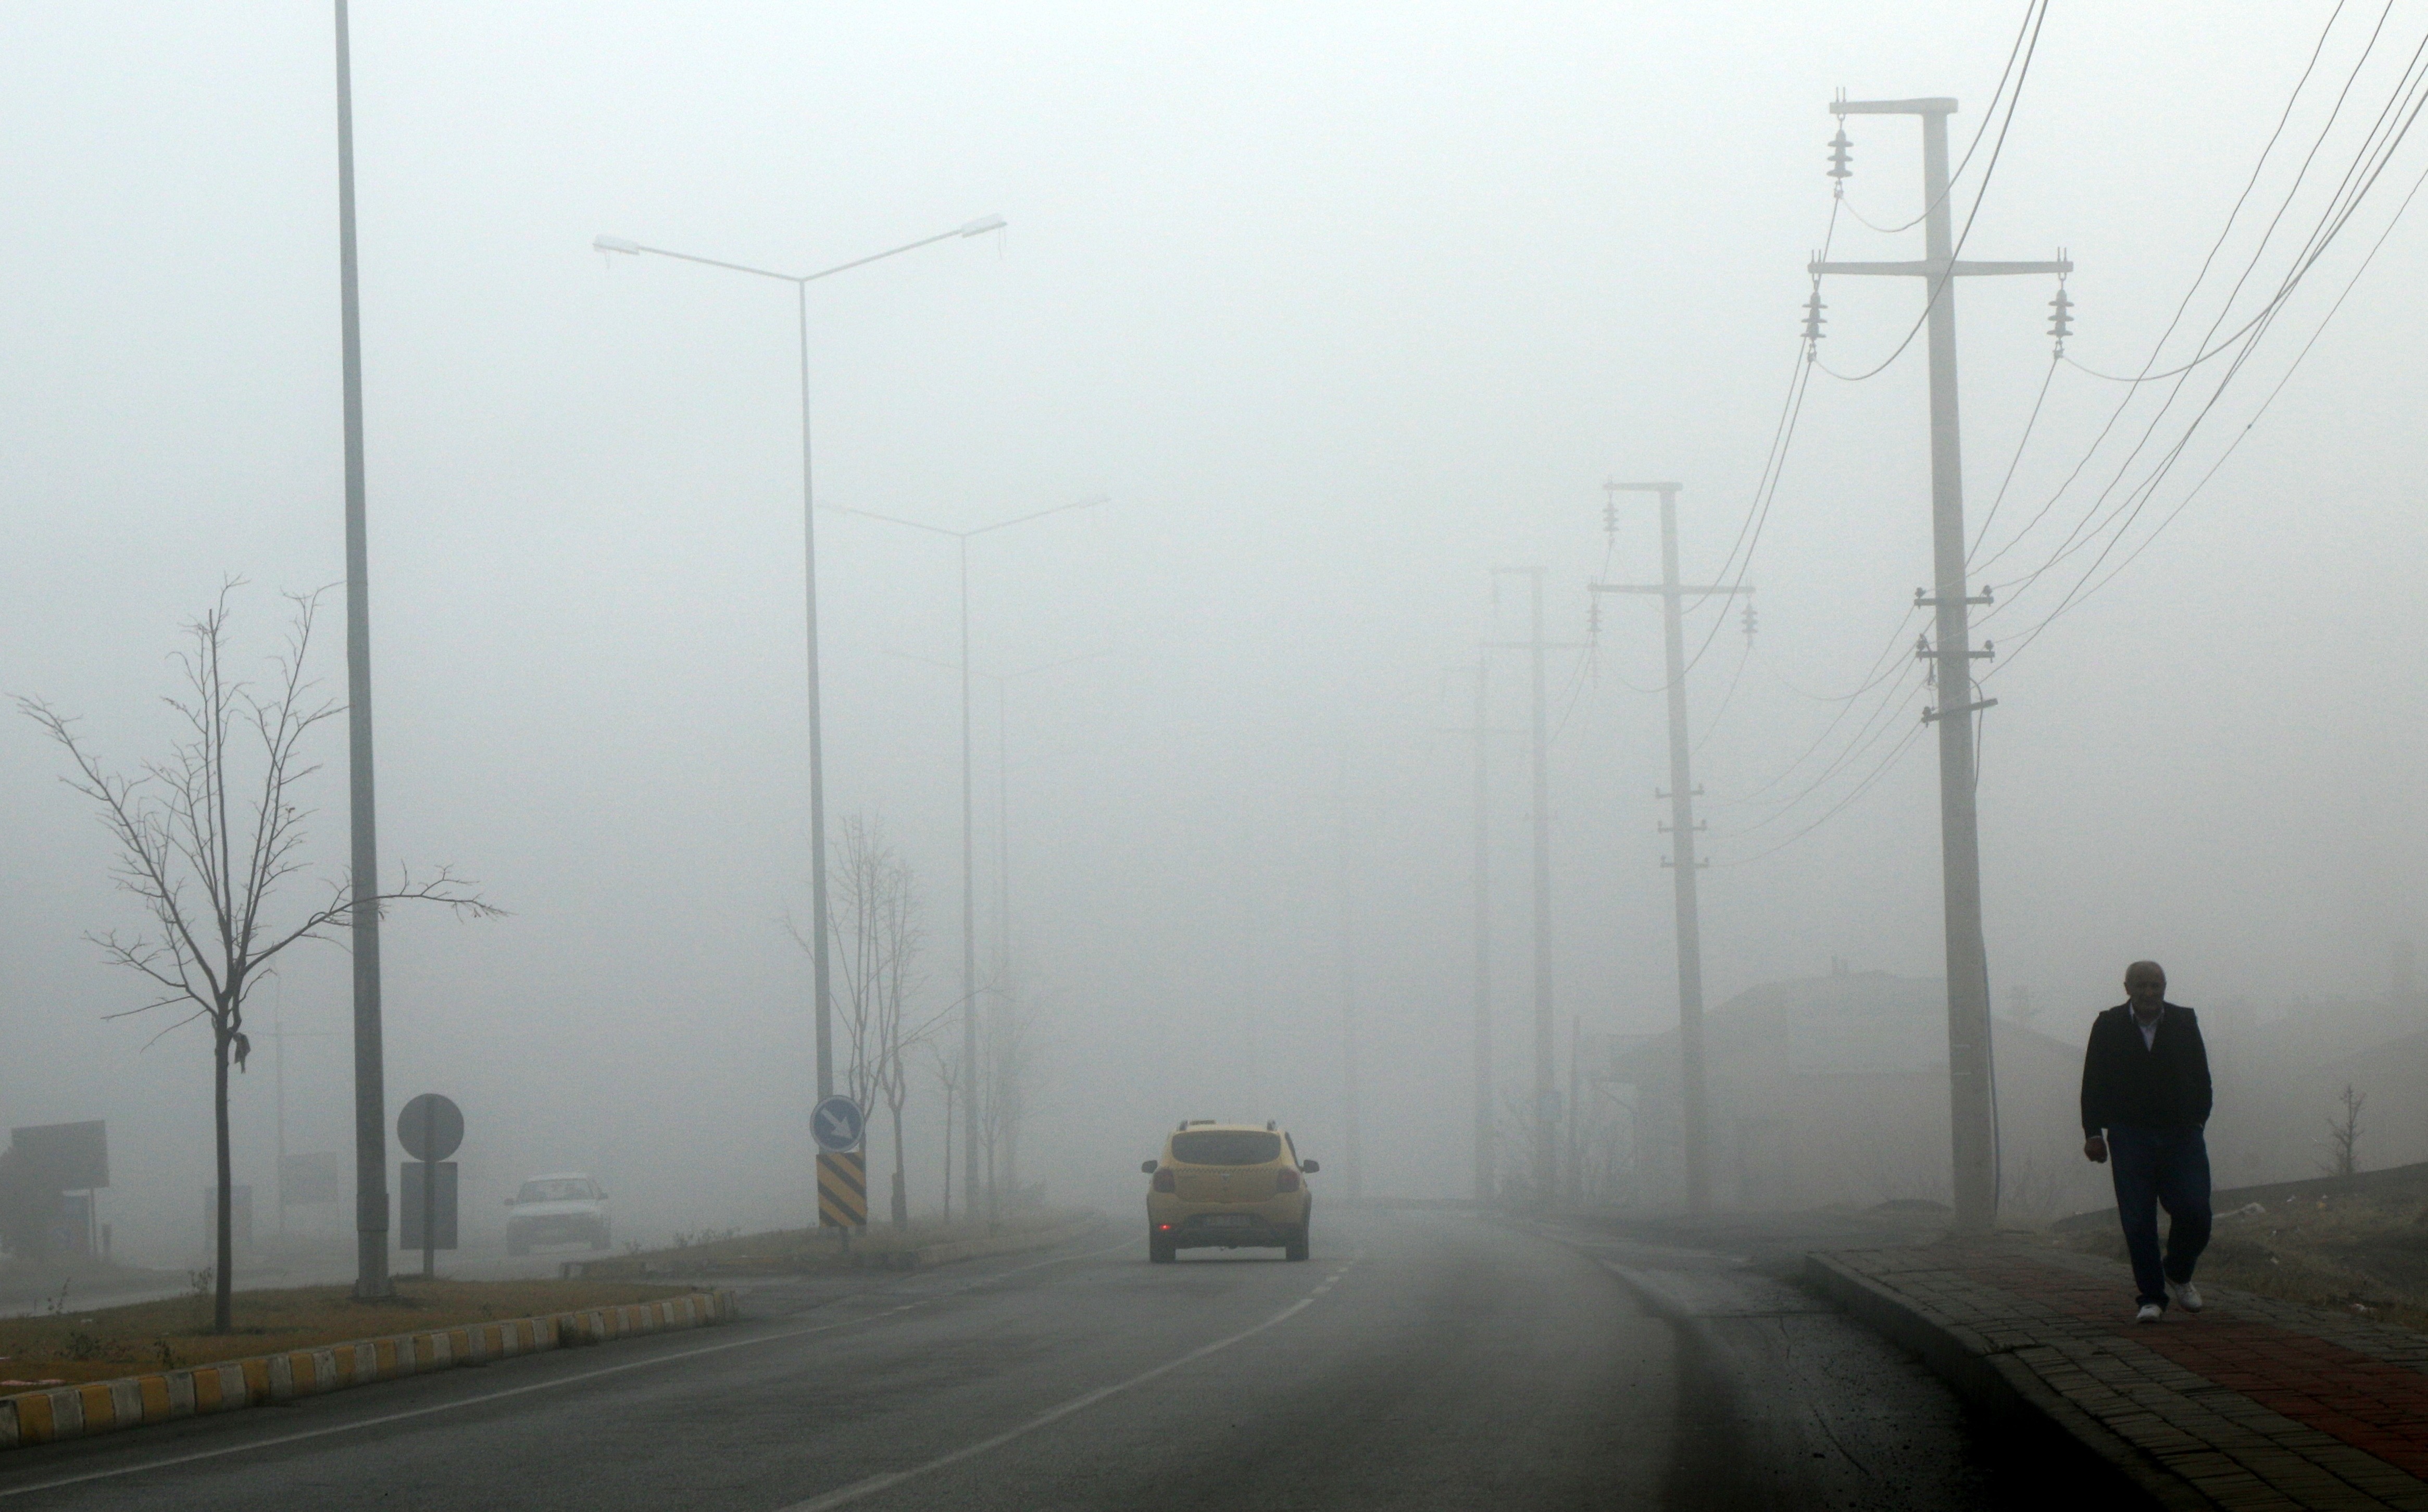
2126 1084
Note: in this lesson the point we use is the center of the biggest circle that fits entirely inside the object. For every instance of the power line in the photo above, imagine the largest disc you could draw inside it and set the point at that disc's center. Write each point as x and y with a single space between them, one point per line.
1939 285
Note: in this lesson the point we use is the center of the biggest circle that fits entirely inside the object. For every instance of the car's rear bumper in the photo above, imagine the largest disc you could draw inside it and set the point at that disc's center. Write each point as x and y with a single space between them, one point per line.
1230 1231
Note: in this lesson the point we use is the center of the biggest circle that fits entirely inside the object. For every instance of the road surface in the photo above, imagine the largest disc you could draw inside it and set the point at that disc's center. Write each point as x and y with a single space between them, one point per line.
1421 1360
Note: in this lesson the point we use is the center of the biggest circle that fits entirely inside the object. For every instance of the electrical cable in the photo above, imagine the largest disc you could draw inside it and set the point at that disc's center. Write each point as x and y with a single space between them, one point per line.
1956 177
2345 203
2089 521
2014 462
1939 285
2240 435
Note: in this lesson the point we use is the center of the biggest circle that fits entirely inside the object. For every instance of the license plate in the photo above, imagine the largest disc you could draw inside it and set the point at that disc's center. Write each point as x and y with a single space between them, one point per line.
1229 1220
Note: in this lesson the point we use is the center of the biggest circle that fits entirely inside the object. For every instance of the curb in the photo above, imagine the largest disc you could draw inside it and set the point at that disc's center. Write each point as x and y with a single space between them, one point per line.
971 1249
1992 1380
131 1402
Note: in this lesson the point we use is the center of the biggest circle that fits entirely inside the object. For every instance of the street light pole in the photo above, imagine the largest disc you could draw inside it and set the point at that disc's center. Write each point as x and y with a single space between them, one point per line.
821 961
1003 682
371 1282
969 844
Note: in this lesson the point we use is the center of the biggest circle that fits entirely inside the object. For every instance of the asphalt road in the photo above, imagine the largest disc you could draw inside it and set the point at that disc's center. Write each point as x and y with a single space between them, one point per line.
1421 1360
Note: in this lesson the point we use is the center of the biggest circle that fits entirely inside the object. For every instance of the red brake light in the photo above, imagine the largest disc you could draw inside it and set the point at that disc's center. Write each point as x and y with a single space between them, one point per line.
1166 1180
1285 1179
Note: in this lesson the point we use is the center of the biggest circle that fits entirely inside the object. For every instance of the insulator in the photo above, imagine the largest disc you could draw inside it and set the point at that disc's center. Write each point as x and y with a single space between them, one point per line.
1812 317
2060 317
1593 615
1748 622
1841 154
1610 515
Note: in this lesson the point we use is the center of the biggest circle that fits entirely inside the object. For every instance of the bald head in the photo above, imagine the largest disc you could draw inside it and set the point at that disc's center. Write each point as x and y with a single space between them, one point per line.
2145 985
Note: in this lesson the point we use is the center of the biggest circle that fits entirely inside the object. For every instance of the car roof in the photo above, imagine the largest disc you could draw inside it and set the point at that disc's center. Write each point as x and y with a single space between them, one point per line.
560 1176
1196 1124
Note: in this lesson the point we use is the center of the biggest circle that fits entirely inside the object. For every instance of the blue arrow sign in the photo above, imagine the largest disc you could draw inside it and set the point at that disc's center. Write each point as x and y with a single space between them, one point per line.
837 1125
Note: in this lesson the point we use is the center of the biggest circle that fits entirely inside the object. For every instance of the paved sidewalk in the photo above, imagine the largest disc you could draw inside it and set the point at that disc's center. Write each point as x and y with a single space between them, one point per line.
2249 1404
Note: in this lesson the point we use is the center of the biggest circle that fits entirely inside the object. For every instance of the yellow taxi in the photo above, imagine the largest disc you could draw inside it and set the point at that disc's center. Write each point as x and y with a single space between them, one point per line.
1227 1186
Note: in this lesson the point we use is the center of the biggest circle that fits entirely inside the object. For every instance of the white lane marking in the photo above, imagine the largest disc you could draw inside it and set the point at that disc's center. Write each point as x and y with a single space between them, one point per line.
547 1385
875 1484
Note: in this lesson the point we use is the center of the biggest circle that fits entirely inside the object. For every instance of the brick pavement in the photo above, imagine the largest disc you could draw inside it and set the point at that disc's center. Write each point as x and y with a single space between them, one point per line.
2250 1404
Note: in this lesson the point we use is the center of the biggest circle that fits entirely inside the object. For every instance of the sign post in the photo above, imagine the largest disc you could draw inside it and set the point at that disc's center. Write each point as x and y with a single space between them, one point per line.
839 1126
431 1127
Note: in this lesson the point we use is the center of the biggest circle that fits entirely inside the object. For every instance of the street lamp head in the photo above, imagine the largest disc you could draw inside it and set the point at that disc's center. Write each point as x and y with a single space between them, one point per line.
630 249
982 226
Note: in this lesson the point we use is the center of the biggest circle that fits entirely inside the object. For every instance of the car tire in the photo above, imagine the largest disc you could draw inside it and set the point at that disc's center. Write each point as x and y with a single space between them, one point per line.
1296 1248
1161 1251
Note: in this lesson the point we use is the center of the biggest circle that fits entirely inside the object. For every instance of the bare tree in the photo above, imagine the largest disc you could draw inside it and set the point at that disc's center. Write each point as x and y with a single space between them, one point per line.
1007 1055
875 907
208 837
2343 1133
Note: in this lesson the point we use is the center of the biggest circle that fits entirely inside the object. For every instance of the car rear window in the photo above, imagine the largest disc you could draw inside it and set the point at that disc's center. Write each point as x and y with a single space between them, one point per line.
1225 1147
556 1191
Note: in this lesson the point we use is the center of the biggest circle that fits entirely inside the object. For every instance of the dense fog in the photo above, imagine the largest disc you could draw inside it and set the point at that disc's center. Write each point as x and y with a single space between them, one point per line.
1336 311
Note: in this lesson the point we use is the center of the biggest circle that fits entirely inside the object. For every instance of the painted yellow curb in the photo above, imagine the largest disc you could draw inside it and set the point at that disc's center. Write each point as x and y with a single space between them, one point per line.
106 1407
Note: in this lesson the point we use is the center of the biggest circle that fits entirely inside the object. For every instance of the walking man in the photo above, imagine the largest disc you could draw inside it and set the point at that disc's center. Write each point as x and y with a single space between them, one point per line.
2145 1099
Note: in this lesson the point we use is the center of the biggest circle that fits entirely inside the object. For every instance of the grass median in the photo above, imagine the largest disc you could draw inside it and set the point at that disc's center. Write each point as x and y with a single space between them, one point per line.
69 1344
815 1250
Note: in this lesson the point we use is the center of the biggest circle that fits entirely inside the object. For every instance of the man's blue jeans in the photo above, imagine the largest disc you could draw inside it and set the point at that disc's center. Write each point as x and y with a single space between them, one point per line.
2157 1168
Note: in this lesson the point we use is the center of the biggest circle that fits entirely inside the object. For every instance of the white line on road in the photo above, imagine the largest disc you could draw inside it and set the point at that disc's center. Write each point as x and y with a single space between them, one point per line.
543 1385
1051 1414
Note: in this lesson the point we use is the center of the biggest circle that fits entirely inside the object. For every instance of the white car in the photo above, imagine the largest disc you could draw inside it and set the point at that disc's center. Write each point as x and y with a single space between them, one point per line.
565 1208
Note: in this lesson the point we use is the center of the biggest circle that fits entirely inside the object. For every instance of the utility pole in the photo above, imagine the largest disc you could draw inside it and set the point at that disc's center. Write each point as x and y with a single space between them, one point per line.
1576 1124
1546 1085
1693 1083
1485 1166
1969 1096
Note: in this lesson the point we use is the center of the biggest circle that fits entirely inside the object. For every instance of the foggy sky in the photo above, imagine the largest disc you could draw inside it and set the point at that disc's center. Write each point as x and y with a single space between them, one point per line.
1340 308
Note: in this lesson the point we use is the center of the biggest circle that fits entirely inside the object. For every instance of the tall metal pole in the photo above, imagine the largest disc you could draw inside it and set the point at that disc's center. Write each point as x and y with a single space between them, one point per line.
1694 1079
1971 1099
969 927
1484 1163
1544 1075
371 1281
1003 915
820 964
1351 1136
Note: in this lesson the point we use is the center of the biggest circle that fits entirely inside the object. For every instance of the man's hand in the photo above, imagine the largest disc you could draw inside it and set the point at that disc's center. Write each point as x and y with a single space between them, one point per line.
2094 1150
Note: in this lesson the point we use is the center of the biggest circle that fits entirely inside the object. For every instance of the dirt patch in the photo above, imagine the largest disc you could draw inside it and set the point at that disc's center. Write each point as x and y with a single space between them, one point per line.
99 1343
2363 1250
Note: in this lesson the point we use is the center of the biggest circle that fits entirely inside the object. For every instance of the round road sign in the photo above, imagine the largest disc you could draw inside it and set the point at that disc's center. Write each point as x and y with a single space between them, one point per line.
431 1127
837 1124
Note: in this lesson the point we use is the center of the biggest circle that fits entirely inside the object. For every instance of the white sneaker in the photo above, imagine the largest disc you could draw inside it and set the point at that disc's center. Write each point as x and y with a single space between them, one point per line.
2186 1295
2151 1312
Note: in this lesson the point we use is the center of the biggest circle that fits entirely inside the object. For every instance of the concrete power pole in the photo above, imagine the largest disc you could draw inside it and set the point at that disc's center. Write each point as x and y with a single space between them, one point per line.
1970 1095
1546 1085
1354 1188
1693 1076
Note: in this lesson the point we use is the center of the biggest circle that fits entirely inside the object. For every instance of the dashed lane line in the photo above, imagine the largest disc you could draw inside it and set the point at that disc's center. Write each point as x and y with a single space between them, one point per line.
172 1460
873 1485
